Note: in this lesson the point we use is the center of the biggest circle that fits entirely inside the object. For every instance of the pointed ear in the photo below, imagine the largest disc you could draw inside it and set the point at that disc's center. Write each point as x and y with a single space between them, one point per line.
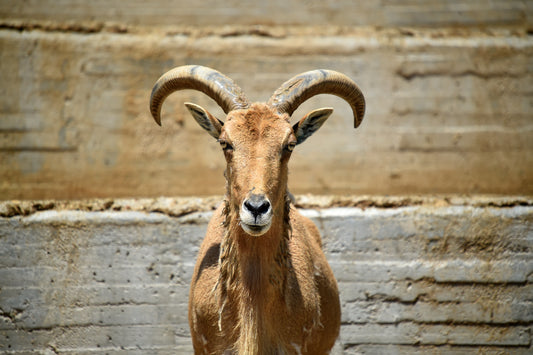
311 123
206 120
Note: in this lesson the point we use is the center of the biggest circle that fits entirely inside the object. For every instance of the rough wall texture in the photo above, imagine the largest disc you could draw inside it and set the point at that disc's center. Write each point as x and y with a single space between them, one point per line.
449 94
417 276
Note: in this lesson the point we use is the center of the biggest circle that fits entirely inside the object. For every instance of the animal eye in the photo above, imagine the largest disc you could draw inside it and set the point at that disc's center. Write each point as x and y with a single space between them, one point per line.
290 146
224 144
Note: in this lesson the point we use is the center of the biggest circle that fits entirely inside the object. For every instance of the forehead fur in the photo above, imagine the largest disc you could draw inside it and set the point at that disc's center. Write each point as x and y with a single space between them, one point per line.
259 119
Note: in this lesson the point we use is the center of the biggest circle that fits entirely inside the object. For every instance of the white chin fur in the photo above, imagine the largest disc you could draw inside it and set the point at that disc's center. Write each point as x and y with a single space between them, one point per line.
255 226
255 230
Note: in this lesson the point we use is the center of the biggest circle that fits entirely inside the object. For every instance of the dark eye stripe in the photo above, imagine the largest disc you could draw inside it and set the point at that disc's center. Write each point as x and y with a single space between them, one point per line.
224 144
290 146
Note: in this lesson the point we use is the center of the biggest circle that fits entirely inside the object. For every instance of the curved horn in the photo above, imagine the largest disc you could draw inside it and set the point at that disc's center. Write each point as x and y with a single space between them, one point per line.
298 89
196 77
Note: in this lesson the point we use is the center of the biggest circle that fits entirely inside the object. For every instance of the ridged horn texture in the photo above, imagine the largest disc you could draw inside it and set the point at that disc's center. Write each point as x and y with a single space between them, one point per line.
300 88
214 84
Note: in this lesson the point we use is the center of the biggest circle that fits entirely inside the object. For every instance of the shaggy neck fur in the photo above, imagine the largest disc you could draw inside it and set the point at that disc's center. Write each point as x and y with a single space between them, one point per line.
253 278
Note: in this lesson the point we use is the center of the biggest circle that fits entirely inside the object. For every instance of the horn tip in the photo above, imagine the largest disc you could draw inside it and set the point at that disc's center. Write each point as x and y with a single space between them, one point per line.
157 120
358 115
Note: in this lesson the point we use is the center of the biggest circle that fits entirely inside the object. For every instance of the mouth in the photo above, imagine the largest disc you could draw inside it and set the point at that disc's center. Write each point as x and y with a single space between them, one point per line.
255 230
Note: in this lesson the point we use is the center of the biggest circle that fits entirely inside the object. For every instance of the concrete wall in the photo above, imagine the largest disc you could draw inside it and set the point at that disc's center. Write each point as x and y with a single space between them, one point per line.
448 87
417 276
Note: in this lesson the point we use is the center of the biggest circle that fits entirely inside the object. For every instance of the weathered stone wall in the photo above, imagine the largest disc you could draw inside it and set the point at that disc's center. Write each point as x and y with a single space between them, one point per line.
448 88
417 276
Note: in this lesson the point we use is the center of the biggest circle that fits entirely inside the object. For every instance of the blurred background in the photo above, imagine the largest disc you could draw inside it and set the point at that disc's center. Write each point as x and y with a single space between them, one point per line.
448 87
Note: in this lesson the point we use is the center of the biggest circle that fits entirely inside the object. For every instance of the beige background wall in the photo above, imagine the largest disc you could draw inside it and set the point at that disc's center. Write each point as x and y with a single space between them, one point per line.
448 87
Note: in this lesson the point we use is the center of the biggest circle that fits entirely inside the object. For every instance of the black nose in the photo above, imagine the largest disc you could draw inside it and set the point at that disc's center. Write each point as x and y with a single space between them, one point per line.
257 204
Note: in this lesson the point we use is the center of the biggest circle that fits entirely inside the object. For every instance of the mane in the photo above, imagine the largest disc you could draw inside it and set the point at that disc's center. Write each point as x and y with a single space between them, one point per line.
233 281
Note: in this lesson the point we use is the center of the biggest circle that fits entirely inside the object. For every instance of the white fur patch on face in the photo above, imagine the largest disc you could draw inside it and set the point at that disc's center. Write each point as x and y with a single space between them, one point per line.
254 230
255 225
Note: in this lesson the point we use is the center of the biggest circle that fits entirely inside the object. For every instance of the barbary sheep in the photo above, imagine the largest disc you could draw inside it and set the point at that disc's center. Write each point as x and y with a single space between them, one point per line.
262 284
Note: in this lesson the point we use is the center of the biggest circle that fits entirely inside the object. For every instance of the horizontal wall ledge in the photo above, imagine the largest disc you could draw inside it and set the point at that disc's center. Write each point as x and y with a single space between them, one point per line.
179 206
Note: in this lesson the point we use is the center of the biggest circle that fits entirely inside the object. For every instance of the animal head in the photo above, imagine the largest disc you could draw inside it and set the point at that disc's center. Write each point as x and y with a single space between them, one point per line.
257 139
